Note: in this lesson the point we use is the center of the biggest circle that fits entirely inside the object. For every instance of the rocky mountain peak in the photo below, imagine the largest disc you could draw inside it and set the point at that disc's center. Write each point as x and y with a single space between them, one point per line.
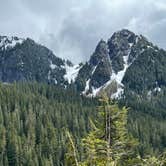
102 47
125 60
109 66
119 46
121 40
101 53
96 71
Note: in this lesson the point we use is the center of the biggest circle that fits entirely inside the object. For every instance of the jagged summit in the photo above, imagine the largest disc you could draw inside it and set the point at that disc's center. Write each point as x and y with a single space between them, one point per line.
124 33
102 47
96 71
101 53
125 61
119 46
108 67
108 63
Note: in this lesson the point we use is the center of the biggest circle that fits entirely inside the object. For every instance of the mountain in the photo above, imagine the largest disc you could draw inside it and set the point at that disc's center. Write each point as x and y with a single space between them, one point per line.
25 60
125 61
37 109
95 72
131 70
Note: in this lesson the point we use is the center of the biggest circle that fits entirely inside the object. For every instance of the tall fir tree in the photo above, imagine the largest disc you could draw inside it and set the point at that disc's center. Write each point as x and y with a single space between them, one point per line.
109 143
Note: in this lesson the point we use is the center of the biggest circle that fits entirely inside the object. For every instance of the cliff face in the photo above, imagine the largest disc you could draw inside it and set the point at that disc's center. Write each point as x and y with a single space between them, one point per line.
125 61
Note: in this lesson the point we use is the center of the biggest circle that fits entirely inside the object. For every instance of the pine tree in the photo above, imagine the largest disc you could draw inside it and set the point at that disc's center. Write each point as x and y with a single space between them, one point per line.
109 143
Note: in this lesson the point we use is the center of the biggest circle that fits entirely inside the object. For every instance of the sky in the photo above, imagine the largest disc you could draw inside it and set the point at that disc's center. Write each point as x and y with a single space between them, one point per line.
72 28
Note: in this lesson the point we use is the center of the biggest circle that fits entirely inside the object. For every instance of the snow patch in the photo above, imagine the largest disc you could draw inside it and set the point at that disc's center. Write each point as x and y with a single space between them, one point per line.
71 72
94 69
9 42
157 89
49 77
150 92
152 48
52 66
55 81
118 77
86 87
118 93
94 91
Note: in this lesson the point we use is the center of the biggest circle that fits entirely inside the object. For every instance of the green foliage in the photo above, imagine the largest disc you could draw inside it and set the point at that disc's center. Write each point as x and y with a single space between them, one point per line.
71 155
33 118
146 120
32 121
30 61
147 71
83 75
109 142
155 161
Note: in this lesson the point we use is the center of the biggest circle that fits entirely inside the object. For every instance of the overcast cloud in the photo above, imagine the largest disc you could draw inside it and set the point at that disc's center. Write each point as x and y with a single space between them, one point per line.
72 28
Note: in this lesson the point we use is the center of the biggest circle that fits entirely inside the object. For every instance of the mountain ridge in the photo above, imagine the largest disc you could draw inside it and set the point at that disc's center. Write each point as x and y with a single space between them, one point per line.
109 68
25 60
125 49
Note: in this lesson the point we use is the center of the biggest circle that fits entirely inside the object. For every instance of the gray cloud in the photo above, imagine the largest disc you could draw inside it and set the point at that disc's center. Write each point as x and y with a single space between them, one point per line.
73 28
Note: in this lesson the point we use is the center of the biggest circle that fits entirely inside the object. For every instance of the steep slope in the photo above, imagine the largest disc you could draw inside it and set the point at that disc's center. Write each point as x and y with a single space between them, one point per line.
33 121
96 72
148 69
25 60
127 67
107 65
125 61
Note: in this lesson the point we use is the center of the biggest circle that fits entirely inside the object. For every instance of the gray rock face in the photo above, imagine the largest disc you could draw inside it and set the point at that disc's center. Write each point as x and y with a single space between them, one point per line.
101 62
97 71
125 61
119 45
107 58
101 53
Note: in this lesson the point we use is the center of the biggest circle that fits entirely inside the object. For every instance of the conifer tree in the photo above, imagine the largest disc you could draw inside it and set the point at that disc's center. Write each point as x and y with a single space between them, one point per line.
109 143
